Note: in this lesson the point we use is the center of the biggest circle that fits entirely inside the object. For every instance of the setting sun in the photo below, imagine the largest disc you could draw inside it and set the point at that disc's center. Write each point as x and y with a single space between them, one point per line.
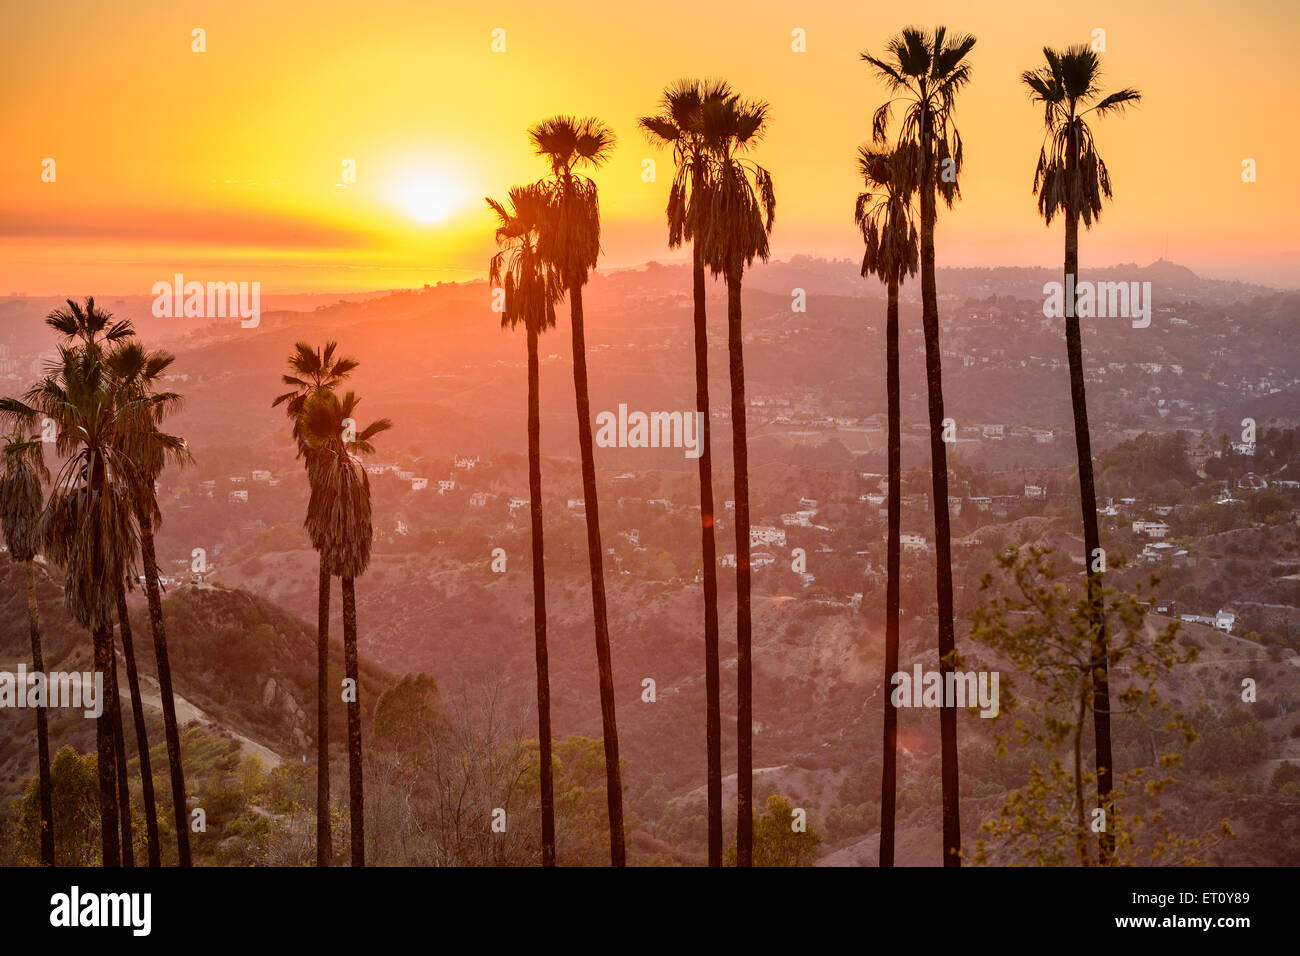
428 201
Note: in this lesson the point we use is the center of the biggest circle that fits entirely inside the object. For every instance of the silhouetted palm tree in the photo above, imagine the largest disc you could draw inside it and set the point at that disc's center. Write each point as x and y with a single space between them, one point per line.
138 373
22 470
742 207
338 522
314 369
570 244
1071 179
88 526
680 124
884 214
928 70
531 291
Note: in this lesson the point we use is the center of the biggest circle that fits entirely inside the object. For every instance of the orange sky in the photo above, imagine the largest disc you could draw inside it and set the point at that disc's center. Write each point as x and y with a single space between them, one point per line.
226 164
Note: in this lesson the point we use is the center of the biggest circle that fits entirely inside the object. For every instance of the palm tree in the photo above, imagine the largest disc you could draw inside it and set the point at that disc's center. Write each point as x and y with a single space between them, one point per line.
338 522
928 70
1071 179
314 369
531 291
87 322
570 245
742 208
22 470
113 703
680 124
138 373
884 214
88 526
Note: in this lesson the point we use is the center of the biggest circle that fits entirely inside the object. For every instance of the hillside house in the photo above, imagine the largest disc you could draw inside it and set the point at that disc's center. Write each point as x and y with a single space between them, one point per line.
766 535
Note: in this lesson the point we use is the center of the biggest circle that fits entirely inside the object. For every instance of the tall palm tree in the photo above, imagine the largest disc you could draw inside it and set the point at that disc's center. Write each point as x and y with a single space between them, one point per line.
338 522
141 735
22 470
138 373
927 71
742 209
531 290
680 125
113 703
884 214
88 526
570 244
1071 179
311 370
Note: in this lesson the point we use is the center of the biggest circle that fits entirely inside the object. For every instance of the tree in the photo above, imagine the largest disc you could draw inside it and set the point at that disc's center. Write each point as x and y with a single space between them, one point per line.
1071 179
22 469
88 526
1045 630
138 373
531 290
313 370
680 124
570 245
884 214
338 522
741 212
778 840
928 70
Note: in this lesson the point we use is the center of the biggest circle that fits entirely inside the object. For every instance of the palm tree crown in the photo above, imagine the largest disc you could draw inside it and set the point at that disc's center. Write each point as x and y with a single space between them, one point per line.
928 71
22 469
313 369
680 123
338 512
884 212
572 243
742 203
88 322
532 287
1066 87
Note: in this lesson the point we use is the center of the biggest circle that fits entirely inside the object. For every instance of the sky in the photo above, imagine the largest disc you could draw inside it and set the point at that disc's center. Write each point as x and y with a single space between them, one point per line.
229 164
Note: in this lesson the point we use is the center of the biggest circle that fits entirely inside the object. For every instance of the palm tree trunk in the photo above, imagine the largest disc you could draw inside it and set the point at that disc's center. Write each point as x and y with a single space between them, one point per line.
539 603
119 754
889 770
709 552
939 486
1091 531
141 733
356 785
171 729
744 676
323 849
595 556
42 724
104 755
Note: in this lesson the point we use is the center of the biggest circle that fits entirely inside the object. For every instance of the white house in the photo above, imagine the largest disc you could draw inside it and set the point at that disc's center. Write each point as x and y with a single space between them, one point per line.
1035 491
1224 621
445 485
1152 529
767 535
912 542
261 474
419 484
239 497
